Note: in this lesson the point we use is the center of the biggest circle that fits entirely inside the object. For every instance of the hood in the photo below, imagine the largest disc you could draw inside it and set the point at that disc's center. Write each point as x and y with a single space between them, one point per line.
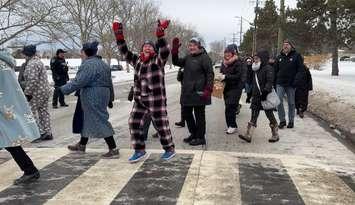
6 57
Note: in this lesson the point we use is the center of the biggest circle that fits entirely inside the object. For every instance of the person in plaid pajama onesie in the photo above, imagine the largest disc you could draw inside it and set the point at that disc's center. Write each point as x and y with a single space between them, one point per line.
149 90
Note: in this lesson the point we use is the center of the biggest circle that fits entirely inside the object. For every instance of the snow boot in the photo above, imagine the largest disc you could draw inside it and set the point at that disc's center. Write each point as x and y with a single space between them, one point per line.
275 134
249 134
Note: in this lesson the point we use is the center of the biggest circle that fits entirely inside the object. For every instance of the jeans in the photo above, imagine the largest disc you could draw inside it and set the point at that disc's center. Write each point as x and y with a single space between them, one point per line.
290 92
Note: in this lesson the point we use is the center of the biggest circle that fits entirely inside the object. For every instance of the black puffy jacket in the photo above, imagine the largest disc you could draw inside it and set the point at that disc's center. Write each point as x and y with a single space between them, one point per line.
289 69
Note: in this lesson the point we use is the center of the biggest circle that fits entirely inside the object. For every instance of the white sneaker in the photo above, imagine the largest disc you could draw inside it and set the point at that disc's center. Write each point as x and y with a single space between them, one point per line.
232 130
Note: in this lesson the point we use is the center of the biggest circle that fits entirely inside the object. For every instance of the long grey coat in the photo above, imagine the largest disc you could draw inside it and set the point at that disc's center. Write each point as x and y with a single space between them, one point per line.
95 84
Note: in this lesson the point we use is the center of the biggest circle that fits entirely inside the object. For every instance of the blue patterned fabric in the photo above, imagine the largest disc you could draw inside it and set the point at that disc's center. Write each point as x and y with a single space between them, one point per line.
17 124
95 84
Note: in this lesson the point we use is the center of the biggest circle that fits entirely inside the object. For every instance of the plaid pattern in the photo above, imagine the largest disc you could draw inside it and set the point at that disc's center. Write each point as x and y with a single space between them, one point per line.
149 95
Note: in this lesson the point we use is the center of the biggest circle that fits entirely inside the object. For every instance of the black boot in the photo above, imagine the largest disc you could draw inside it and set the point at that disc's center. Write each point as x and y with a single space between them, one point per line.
27 178
197 142
290 125
189 139
282 124
180 124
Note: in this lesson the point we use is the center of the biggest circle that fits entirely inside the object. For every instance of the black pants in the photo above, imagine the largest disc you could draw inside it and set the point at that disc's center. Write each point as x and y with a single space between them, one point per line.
182 114
58 95
269 115
196 120
230 114
110 141
22 160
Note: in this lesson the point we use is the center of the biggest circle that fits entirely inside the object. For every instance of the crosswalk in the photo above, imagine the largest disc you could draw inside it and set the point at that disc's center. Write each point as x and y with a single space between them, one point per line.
192 177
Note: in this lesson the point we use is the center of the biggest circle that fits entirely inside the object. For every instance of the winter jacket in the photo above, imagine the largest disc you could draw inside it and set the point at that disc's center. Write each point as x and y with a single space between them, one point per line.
17 123
266 80
96 91
305 83
59 71
289 69
198 76
149 77
235 77
35 79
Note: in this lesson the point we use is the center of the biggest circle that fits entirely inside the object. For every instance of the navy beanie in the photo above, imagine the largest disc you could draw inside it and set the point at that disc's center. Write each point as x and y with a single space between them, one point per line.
232 48
196 41
264 56
90 48
29 50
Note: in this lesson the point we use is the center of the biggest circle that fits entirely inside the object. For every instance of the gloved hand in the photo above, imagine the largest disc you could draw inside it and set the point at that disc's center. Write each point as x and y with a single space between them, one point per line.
175 46
162 25
110 105
264 95
29 98
206 94
118 30
248 98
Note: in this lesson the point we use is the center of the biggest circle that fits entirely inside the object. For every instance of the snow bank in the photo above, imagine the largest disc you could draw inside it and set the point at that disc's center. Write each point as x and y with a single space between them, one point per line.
333 97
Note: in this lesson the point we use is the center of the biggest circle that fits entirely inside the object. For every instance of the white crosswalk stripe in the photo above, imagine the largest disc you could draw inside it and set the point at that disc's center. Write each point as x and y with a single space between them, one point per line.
212 178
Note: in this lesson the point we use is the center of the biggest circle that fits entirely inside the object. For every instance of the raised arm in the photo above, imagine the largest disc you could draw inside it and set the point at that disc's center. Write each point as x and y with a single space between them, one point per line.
175 53
161 43
122 46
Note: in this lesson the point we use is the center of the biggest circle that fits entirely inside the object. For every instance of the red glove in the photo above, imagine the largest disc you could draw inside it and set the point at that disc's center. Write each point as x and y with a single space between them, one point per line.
162 25
176 46
118 30
206 93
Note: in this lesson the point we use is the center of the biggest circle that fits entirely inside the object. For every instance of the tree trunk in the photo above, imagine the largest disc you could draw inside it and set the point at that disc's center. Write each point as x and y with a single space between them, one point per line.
335 67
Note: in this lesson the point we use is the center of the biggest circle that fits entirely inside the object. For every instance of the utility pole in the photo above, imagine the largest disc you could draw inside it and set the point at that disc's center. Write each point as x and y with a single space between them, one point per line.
255 31
241 31
234 39
280 35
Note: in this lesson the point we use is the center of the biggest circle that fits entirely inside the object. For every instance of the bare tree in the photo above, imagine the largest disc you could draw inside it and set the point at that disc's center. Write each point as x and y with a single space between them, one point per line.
19 16
216 51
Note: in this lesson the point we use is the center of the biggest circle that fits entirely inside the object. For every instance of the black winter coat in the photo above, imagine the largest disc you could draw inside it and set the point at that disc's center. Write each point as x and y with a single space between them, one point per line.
289 69
59 71
198 76
235 77
266 80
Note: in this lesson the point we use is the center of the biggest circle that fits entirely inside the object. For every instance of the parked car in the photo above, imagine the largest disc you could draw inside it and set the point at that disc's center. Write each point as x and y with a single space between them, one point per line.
344 58
116 67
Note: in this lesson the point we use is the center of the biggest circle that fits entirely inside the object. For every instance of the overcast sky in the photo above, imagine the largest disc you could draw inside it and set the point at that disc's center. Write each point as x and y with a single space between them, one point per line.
213 19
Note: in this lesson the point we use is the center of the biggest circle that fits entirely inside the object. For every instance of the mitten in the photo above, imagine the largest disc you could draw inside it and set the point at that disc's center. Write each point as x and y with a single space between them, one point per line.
118 30
176 45
264 95
160 30
110 105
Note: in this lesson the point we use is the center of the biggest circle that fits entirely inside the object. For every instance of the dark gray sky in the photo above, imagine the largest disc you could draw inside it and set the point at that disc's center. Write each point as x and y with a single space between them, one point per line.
213 19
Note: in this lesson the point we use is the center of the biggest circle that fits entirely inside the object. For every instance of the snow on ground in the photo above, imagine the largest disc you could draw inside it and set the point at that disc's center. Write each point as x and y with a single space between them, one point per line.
333 97
341 87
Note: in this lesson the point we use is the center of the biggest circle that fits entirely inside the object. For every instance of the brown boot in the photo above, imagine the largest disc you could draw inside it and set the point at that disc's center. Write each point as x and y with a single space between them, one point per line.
249 134
275 134
77 148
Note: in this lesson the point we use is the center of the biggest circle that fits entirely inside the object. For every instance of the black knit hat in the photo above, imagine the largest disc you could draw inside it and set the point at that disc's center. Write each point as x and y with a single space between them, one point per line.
60 51
264 56
149 42
90 48
231 48
29 50
289 42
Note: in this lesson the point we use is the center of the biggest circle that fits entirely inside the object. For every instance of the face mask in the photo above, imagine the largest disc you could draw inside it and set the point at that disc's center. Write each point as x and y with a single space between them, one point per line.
255 66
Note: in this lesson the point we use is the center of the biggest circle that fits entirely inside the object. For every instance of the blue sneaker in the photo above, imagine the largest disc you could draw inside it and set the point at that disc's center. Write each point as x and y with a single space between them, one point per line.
168 155
137 156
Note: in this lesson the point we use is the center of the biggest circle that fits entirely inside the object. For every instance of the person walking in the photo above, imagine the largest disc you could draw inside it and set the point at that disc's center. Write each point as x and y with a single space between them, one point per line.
149 92
263 80
233 73
96 94
60 77
197 87
289 69
302 91
17 124
37 91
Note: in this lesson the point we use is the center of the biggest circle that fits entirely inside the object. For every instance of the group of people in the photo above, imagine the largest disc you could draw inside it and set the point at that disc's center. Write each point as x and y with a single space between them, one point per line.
24 115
